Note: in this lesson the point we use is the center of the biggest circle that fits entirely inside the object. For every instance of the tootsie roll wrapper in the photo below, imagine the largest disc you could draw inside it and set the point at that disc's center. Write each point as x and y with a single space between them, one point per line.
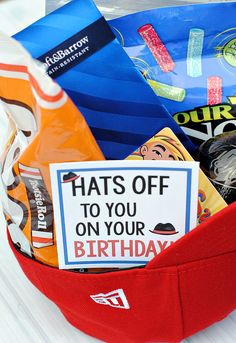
46 128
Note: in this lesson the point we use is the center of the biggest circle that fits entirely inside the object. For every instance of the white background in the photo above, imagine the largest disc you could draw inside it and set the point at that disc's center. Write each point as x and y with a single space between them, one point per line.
26 316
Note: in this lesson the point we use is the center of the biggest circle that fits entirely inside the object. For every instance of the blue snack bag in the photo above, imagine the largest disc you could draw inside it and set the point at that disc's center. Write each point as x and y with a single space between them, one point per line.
81 52
188 56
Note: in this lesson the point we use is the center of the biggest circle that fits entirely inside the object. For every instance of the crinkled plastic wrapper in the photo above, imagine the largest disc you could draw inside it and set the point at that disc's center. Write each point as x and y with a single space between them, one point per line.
191 68
45 127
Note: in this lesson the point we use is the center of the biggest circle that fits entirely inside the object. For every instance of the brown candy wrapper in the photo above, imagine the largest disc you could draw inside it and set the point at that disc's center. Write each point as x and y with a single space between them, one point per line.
46 128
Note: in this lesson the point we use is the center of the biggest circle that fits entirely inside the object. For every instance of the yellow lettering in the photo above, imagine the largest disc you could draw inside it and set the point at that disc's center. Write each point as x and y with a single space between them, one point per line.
181 118
221 112
201 115
232 100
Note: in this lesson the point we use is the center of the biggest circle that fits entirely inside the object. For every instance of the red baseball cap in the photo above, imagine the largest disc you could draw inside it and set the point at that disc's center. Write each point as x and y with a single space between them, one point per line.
186 288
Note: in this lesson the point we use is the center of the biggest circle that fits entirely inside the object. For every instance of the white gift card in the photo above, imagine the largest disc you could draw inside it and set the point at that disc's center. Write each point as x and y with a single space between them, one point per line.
121 213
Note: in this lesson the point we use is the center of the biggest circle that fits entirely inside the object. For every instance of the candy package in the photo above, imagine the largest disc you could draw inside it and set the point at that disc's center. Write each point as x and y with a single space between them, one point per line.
80 51
192 67
46 127
217 158
165 146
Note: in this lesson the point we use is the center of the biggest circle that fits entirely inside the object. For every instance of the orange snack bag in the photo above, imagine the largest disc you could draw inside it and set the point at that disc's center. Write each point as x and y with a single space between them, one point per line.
46 127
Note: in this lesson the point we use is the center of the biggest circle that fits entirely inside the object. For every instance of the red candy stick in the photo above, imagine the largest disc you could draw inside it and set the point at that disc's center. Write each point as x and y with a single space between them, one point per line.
214 87
156 47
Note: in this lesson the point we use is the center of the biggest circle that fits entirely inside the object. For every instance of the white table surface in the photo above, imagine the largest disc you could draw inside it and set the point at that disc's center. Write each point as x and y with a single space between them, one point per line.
26 316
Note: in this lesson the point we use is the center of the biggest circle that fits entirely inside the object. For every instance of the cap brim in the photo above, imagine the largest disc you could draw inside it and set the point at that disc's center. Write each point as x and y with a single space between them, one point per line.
165 233
72 179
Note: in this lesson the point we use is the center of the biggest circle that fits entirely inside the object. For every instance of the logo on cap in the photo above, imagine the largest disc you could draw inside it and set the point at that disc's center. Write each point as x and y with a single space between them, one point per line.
115 298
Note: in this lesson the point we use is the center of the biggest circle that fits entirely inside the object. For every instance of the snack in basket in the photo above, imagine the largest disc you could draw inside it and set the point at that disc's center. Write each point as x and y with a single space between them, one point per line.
82 54
166 146
218 160
205 65
46 128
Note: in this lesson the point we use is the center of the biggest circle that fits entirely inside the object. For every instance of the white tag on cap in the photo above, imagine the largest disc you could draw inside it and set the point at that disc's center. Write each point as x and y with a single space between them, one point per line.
121 213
